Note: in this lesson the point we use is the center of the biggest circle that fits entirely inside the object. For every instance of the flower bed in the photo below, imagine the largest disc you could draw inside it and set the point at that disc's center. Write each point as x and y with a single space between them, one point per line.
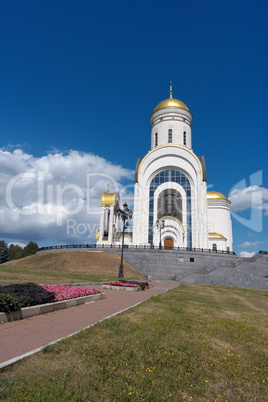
61 297
128 284
119 283
16 296
63 292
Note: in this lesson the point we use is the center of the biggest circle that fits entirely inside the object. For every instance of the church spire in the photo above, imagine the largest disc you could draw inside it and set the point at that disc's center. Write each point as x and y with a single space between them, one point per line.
170 89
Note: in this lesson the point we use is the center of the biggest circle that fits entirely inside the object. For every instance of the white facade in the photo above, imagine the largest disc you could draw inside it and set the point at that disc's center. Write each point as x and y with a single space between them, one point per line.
170 186
219 221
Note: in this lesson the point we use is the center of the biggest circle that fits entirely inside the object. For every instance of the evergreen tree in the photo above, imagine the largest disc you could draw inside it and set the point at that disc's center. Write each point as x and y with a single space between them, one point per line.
15 251
30 249
4 254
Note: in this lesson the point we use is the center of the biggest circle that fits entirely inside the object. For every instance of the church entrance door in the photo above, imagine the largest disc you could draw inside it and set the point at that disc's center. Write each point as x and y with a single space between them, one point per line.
168 243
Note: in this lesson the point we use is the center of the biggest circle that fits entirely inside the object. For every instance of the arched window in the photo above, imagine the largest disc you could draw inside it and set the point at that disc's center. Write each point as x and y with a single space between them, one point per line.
169 204
170 175
169 135
106 224
155 139
214 247
184 138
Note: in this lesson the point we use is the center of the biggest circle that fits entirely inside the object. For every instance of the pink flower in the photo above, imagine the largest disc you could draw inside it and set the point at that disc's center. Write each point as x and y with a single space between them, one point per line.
118 283
63 292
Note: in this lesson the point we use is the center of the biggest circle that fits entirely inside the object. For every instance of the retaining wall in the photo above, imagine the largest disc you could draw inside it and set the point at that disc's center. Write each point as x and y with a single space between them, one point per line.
195 266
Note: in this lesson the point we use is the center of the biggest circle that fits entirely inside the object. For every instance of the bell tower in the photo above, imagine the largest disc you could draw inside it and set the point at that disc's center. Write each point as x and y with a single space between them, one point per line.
171 123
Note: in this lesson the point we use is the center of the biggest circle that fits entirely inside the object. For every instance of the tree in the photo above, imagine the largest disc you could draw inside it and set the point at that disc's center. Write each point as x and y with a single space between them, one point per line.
30 249
15 252
4 254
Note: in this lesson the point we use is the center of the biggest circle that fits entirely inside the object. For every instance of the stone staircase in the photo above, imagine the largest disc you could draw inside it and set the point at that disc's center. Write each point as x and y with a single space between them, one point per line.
201 267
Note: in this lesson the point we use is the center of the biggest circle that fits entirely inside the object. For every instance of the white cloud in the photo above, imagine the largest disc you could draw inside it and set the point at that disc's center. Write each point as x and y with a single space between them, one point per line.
22 245
39 196
246 254
249 197
265 208
251 243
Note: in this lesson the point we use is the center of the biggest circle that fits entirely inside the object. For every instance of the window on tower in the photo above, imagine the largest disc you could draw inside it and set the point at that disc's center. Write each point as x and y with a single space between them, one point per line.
184 138
170 136
156 139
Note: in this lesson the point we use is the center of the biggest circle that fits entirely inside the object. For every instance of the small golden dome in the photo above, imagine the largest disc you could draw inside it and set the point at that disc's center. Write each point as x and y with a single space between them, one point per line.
216 236
108 198
171 102
212 195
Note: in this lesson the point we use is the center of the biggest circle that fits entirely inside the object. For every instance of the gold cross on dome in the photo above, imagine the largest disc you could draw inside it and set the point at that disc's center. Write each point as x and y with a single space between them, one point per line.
170 89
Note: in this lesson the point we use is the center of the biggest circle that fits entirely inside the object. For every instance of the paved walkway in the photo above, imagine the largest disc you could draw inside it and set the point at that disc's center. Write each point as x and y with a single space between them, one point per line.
19 339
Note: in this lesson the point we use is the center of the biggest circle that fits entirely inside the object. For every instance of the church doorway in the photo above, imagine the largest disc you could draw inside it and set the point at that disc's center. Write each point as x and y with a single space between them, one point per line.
168 243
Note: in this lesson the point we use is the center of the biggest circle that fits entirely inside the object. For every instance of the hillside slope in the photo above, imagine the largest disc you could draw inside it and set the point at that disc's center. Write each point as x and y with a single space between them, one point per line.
84 262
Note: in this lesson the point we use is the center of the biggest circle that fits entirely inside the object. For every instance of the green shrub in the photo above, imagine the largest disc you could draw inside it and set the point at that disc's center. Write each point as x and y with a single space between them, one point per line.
9 302
29 294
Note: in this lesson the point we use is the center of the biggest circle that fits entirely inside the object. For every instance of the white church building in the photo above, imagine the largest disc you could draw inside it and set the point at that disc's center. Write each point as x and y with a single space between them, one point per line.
170 192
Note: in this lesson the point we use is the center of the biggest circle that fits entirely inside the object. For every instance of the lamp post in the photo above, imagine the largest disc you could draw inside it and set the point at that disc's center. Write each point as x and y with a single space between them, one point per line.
160 226
125 214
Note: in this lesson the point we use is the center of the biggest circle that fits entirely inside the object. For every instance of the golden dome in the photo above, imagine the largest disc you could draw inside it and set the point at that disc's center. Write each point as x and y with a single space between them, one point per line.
212 195
108 198
216 236
171 102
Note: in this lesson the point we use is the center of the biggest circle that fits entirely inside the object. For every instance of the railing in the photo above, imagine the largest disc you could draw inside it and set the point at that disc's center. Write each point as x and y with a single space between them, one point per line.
140 247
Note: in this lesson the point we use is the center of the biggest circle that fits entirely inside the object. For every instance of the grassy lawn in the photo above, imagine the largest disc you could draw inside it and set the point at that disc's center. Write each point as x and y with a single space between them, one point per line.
193 343
22 274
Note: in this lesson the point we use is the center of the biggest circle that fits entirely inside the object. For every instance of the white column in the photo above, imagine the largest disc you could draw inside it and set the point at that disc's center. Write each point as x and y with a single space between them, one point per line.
110 225
102 224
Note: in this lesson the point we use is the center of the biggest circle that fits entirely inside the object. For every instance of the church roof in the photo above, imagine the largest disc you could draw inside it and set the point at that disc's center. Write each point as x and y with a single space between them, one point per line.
215 195
170 103
216 236
108 198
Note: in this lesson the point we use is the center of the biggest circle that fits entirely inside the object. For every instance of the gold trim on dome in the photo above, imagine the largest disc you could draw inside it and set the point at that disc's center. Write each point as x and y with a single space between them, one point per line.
215 195
216 236
108 198
169 103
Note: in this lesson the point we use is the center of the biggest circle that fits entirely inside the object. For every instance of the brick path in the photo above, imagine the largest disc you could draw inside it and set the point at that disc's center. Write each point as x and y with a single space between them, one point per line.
19 339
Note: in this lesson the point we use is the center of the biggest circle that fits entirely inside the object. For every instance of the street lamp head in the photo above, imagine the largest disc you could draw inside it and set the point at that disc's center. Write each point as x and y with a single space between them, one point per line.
160 224
124 213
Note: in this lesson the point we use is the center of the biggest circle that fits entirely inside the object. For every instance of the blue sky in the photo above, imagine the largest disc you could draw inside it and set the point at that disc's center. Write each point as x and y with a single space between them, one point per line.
78 76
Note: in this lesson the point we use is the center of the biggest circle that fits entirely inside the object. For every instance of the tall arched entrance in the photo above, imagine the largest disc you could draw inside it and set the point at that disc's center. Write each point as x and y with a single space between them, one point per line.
173 201
168 243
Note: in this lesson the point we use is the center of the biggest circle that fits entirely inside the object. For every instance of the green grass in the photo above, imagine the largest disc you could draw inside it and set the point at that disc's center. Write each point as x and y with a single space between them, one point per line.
20 274
193 343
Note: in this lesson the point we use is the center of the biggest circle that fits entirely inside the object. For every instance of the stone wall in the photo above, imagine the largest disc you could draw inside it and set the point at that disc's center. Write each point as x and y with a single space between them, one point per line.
200 267
195 266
